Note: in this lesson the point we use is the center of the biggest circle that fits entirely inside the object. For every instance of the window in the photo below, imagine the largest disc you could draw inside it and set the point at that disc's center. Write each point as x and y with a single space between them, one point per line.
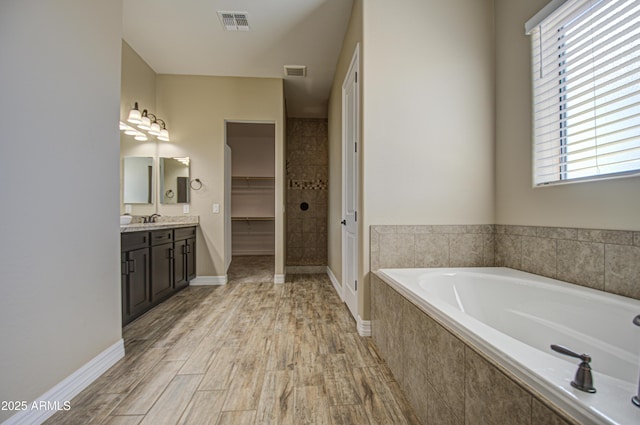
586 90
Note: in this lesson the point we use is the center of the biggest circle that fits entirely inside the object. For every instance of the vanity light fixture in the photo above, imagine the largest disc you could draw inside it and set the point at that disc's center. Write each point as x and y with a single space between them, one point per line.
130 131
145 121
164 133
135 117
155 127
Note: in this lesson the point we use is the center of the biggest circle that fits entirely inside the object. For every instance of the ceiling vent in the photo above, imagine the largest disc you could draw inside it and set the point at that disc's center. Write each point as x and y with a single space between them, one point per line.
234 21
295 71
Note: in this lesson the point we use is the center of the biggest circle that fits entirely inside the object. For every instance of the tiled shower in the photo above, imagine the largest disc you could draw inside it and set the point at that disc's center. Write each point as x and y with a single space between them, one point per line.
307 179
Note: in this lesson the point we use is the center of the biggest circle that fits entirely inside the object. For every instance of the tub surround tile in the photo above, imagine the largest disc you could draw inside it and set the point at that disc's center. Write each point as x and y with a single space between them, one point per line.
465 250
491 397
539 256
397 250
557 233
414 343
573 255
488 250
439 412
432 250
445 228
480 228
581 263
622 270
521 230
393 305
541 414
444 379
509 251
445 355
606 236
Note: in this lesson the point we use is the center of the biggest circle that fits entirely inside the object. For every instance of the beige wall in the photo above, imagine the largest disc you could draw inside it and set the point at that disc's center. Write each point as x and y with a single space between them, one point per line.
59 263
612 204
428 148
195 108
334 229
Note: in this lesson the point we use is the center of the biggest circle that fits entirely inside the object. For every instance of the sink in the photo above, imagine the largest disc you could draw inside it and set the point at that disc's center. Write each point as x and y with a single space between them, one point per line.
125 219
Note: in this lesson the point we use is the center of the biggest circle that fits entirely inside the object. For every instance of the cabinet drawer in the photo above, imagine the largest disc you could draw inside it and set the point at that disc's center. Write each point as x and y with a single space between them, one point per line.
134 240
161 236
184 233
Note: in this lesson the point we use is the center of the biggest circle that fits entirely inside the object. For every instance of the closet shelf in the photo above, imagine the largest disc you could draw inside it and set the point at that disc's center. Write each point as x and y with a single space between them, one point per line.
244 218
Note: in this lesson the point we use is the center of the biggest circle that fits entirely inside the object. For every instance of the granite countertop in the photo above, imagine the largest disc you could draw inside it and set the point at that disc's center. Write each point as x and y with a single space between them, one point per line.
162 223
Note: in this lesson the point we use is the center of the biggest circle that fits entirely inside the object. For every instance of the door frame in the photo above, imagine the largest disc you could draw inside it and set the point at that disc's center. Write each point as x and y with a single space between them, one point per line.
354 67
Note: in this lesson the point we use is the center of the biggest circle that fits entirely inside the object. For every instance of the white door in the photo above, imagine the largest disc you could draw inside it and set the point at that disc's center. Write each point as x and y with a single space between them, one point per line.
350 129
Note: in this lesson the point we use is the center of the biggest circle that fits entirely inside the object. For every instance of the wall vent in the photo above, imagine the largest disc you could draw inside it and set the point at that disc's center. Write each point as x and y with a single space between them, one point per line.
295 71
234 21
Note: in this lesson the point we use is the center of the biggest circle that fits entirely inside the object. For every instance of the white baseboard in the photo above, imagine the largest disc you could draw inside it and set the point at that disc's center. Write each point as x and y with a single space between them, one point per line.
336 285
279 278
208 280
364 327
70 387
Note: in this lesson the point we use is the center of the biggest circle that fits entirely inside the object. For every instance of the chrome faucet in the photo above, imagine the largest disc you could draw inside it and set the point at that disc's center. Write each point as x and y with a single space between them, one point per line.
584 379
152 218
636 398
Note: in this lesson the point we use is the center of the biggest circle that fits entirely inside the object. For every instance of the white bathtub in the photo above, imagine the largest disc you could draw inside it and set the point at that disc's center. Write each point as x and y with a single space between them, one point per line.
513 317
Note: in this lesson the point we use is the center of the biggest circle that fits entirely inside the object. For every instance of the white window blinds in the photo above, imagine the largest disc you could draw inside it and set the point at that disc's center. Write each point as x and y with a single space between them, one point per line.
586 91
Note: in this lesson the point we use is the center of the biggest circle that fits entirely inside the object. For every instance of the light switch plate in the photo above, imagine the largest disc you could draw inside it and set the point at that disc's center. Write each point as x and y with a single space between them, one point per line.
127 209
185 209
216 208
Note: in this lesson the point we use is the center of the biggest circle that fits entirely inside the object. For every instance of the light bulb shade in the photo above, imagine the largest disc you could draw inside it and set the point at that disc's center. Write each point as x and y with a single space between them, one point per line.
134 115
145 123
154 130
131 131
141 137
164 135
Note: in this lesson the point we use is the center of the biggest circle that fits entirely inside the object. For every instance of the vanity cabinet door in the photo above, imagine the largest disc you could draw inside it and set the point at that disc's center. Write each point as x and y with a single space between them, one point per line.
185 261
161 271
191 259
180 264
136 291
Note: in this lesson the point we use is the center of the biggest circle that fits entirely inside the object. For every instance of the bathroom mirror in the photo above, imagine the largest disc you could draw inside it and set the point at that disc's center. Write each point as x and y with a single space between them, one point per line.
137 180
174 180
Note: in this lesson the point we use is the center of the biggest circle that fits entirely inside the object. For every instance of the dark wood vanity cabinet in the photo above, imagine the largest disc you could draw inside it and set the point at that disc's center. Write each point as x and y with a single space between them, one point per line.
136 276
162 284
184 256
155 265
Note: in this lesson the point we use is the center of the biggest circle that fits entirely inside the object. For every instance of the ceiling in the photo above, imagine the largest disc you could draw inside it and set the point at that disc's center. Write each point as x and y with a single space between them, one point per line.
187 37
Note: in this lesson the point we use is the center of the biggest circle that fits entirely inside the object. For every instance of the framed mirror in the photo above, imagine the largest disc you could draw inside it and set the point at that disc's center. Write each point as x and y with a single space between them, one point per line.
138 180
174 180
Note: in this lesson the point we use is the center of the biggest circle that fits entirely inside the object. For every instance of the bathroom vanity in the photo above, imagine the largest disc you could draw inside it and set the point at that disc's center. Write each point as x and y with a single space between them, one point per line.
157 260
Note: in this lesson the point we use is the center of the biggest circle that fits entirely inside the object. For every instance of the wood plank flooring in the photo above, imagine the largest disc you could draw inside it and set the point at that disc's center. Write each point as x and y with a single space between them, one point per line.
250 352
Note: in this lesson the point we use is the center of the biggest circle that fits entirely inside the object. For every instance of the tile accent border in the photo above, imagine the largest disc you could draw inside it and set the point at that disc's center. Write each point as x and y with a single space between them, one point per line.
607 260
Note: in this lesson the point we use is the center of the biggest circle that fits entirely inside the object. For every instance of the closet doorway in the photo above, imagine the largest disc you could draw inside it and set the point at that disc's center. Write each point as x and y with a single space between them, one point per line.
251 198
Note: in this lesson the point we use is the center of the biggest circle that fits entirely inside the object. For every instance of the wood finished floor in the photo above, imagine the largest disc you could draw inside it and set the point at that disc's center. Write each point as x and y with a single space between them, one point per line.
245 353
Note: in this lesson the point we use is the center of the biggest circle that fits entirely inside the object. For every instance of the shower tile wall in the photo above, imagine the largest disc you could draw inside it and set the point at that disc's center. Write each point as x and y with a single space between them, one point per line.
307 175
